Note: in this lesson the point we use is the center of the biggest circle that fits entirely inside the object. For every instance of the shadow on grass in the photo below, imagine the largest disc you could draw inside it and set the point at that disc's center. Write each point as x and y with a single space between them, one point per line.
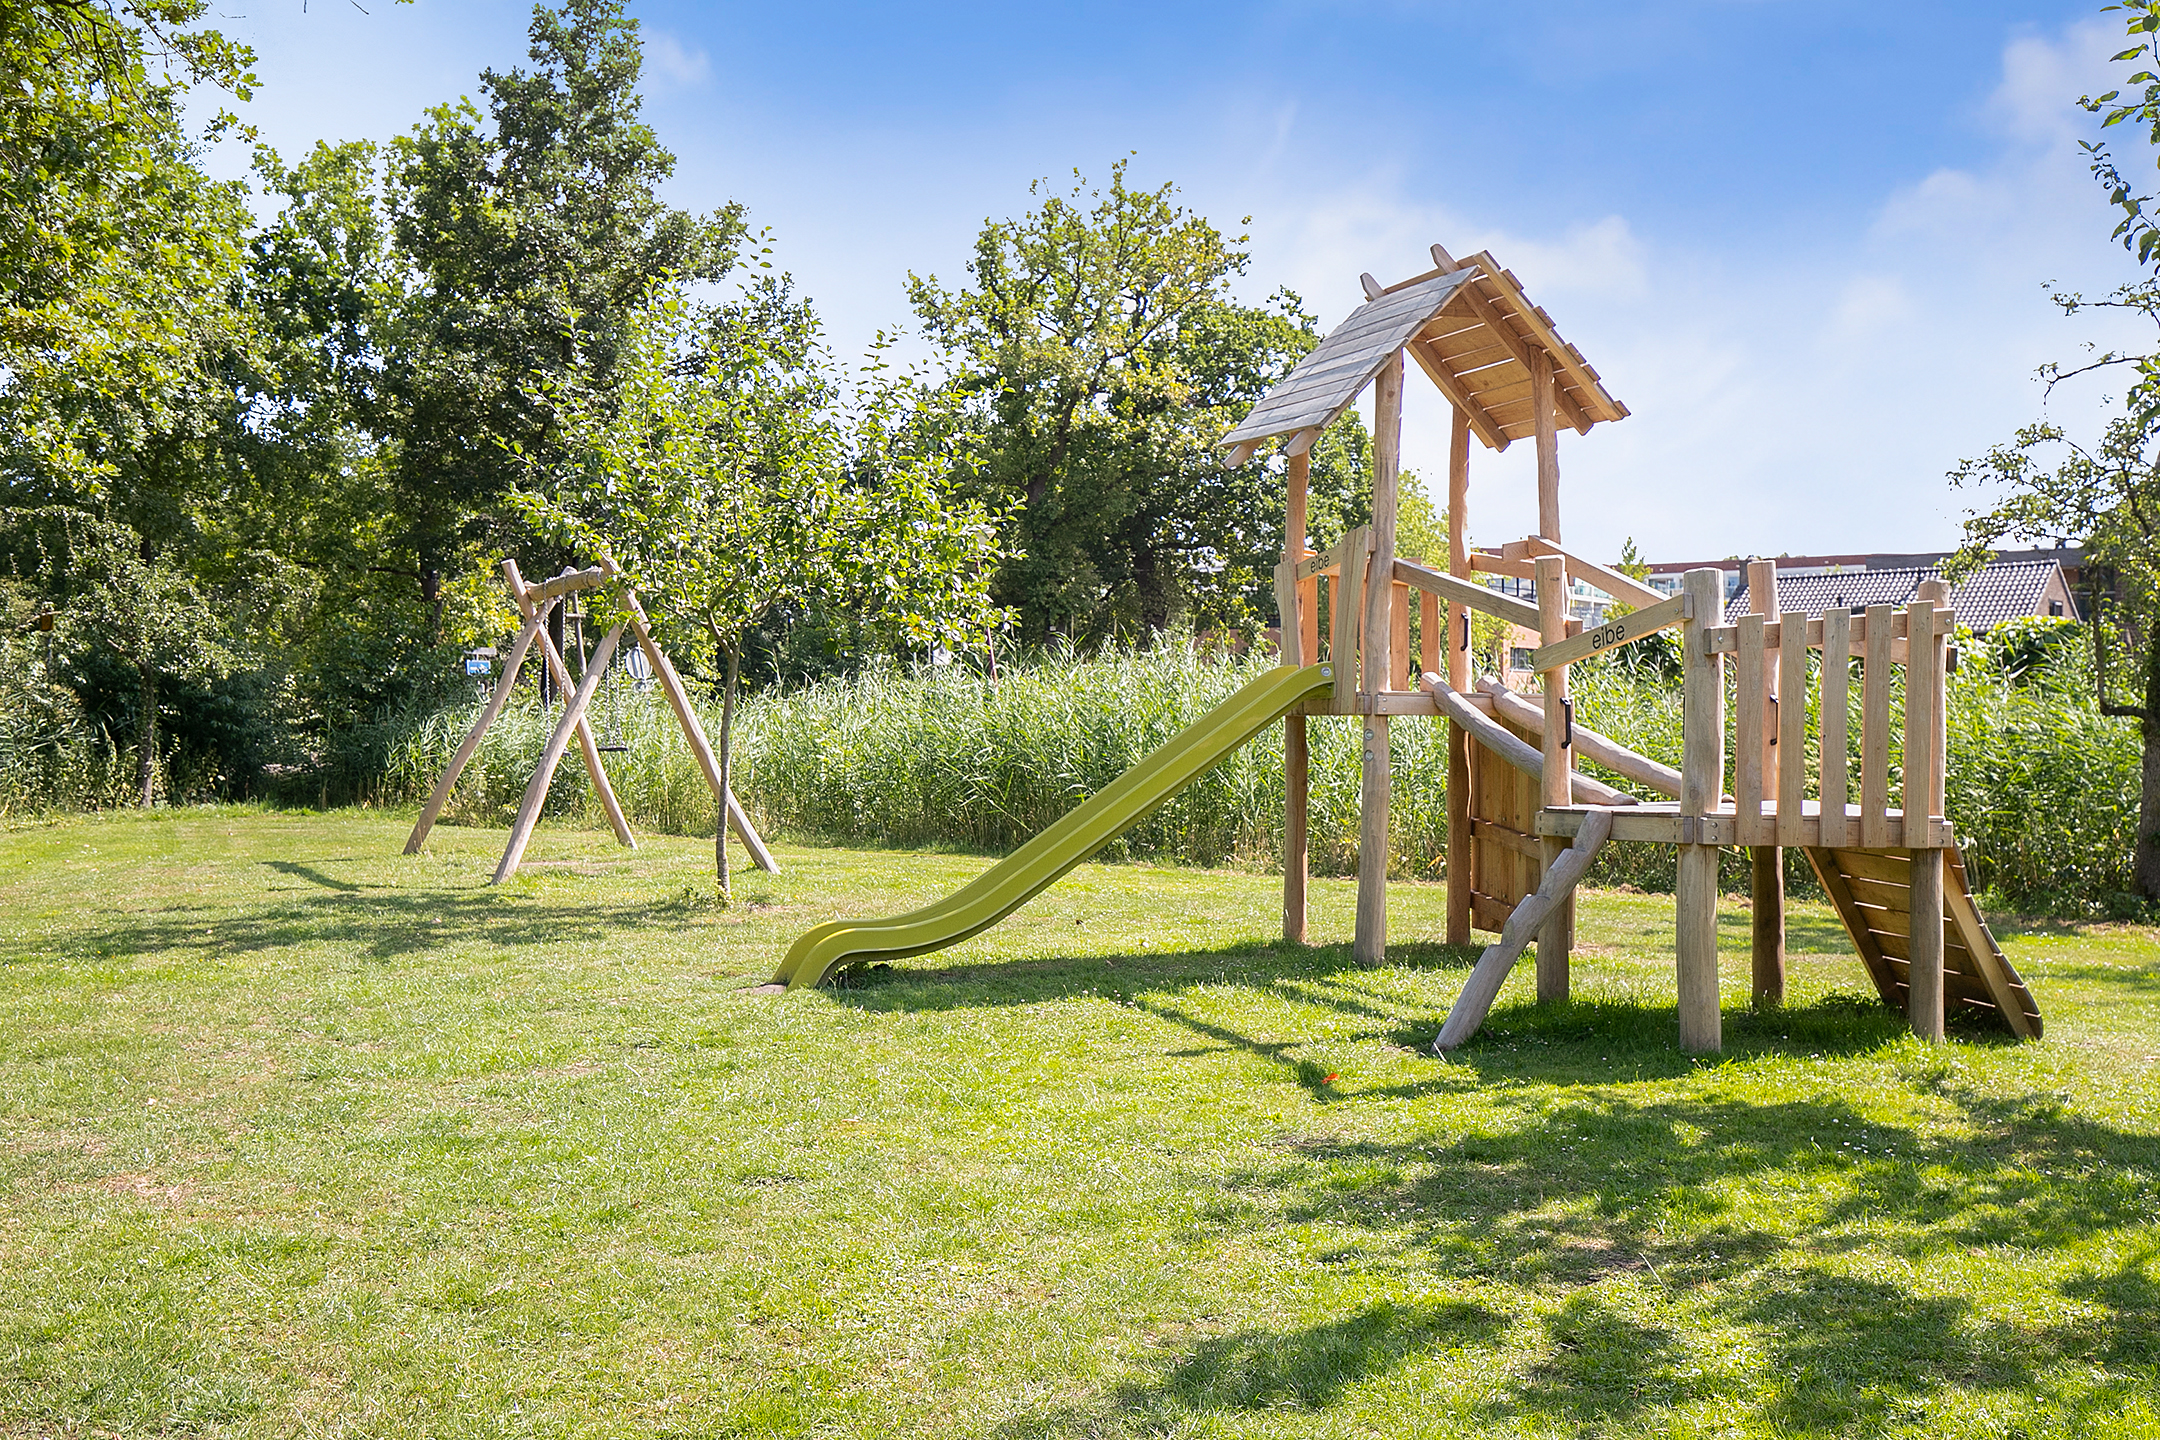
1624 1225
381 922
1609 1191
1300 1370
315 877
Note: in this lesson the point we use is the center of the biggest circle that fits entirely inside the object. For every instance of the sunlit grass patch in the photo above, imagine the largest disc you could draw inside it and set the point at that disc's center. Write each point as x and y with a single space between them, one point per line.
302 1135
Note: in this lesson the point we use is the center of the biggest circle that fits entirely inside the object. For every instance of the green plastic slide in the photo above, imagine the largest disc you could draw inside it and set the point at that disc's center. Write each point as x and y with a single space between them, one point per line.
1025 873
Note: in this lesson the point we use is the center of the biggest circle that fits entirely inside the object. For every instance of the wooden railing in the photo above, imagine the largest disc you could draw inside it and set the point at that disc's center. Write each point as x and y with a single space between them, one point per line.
1345 569
1770 777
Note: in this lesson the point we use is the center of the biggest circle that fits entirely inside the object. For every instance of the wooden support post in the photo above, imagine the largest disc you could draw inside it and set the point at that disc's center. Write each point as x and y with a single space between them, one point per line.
1460 864
1296 503
1309 615
1702 771
1370 943
1875 730
1924 1000
1766 863
1548 443
440 796
1458 544
1937 673
1346 606
694 735
536 790
1766 896
1431 631
1297 757
1924 746
1399 657
1557 936
1297 791
1834 763
1918 792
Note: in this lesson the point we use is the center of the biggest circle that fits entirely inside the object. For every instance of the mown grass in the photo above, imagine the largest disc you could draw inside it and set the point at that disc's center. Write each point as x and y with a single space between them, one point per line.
302 1136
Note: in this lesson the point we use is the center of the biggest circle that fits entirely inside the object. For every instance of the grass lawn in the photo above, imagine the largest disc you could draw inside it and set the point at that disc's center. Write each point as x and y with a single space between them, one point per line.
300 1136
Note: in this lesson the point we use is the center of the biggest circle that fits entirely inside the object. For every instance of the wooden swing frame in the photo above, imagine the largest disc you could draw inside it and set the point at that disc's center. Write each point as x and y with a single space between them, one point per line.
534 604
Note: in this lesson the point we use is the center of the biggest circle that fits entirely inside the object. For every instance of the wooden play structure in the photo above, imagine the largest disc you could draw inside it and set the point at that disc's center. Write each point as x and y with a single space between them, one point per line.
1523 824
534 604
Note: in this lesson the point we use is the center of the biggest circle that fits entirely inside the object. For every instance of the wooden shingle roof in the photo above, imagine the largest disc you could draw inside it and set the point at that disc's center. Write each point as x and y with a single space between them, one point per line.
1323 384
1471 330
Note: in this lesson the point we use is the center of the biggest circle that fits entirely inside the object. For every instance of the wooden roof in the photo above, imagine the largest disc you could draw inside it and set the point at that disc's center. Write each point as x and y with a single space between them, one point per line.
1475 334
1322 385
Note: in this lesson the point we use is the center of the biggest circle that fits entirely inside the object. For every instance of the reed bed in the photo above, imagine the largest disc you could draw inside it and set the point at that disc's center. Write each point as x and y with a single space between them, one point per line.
2042 785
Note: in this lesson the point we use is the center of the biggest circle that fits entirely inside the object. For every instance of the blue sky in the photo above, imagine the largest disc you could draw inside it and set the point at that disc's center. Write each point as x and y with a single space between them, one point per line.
1804 240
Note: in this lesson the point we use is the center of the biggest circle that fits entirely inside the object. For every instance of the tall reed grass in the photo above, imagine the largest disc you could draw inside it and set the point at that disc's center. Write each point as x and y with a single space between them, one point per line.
2042 786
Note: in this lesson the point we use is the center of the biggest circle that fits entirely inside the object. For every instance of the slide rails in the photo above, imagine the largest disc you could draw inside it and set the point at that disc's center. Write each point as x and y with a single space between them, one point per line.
1025 873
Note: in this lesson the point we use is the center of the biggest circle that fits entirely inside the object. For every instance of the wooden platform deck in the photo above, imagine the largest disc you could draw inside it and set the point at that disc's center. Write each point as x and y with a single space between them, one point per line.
1871 891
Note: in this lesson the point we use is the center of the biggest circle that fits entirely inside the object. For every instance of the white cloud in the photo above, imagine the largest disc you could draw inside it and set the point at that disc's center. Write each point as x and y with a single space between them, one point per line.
670 61
1804 398
2036 101
1869 307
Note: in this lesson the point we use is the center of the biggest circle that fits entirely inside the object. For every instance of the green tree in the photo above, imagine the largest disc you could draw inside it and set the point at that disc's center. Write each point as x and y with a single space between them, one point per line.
715 472
116 252
1105 358
532 233
120 265
151 614
2104 496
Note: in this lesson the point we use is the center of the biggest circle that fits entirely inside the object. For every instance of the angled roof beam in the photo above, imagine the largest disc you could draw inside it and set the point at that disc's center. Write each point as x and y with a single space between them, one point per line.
1437 372
1570 412
1563 355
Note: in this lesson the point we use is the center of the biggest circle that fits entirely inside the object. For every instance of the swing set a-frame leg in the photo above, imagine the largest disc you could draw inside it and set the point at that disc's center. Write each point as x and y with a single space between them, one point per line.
586 748
700 748
536 789
440 796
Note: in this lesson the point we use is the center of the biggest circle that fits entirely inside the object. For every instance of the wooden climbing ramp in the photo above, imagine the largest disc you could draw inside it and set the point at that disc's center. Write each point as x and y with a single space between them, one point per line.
1871 891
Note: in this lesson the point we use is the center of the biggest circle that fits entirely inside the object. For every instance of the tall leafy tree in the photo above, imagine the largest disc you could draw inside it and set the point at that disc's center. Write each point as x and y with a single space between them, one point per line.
1105 356
116 252
716 472
2105 496
533 232
119 265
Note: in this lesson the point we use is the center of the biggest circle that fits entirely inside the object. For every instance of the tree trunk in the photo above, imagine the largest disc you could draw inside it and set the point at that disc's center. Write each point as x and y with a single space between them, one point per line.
727 767
431 596
2145 875
1153 589
147 735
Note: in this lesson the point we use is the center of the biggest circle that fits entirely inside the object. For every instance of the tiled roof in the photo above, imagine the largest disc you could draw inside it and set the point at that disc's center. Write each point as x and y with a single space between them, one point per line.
2003 591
